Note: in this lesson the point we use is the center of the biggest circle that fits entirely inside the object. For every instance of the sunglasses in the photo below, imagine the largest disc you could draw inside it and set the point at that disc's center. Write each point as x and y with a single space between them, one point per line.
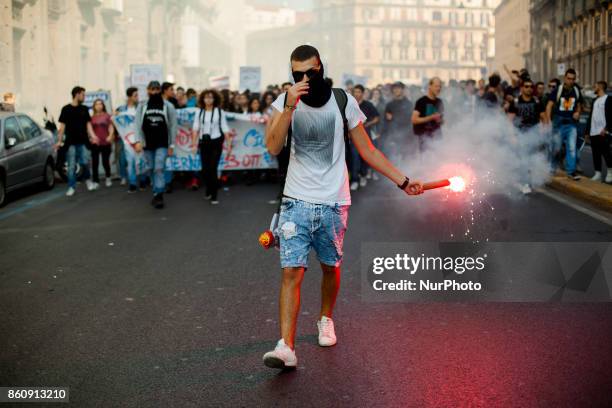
299 75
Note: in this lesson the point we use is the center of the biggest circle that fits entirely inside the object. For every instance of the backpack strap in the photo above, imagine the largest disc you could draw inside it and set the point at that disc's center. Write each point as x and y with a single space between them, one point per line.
288 140
220 129
342 101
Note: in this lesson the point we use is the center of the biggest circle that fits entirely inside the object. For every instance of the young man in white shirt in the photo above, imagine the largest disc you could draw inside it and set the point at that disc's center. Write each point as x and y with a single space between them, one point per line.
314 208
599 125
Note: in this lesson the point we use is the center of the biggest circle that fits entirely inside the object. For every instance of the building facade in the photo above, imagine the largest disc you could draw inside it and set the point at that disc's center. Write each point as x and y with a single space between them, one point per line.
49 46
572 33
512 35
407 40
584 38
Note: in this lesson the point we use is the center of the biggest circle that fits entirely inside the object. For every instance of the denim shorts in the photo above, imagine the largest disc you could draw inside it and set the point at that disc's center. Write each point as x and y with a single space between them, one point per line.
304 225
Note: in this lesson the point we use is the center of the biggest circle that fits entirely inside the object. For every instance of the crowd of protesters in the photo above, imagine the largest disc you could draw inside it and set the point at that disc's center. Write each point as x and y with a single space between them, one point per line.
400 120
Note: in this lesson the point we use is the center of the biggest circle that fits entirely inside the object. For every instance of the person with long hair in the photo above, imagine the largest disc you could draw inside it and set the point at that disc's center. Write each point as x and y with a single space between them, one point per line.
101 145
209 130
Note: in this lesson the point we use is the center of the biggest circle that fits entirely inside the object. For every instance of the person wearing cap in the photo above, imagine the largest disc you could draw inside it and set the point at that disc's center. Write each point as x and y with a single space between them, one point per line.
156 127
398 114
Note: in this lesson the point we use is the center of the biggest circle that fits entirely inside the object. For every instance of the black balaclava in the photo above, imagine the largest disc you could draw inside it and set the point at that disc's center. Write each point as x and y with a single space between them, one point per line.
319 91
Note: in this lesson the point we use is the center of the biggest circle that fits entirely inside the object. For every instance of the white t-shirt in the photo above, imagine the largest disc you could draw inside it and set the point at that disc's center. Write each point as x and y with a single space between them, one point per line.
210 122
598 120
317 169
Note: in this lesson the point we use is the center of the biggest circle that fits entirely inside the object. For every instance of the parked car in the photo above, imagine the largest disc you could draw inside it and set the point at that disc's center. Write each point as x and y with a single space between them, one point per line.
26 154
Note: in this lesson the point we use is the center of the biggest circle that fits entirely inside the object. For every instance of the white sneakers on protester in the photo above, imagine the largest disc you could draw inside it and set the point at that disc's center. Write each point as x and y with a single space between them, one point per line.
354 186
327 334
90 185
108 182
281 357
70 192
597 176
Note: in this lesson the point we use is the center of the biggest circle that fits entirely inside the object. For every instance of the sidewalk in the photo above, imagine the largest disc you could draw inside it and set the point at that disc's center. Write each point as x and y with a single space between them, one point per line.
594 192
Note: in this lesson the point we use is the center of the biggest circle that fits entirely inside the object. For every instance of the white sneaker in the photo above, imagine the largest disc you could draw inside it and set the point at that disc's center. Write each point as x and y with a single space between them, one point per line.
214 202
327 334
375 177
369 174
281 357
90 185
354 186
609 176
526 189
123 182
108 182
70 192
597 176
363 182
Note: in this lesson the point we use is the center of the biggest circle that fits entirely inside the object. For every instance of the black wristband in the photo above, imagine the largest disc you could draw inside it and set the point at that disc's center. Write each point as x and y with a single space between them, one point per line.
404 184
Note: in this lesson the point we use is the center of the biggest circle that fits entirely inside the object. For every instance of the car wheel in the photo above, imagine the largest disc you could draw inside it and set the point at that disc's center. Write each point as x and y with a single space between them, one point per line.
49 176
2 191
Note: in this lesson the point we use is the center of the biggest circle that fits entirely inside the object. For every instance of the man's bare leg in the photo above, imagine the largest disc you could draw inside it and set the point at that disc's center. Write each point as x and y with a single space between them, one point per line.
289 303
330 284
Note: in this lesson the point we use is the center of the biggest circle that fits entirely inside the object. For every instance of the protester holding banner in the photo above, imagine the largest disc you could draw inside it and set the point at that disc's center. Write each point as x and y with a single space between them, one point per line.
130 108
101 145
209 128
156 130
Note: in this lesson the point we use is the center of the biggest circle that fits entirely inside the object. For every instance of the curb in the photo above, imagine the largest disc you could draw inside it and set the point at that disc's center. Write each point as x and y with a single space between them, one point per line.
596 193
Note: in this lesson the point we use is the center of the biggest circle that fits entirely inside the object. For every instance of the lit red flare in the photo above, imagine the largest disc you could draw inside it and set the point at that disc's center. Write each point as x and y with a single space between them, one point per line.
455 184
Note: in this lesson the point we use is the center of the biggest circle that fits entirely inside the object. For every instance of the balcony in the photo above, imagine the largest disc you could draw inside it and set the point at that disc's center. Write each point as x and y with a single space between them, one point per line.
112 7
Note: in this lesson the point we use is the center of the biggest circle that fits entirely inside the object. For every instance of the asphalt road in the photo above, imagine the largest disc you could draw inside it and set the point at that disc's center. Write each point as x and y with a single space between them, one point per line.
135 307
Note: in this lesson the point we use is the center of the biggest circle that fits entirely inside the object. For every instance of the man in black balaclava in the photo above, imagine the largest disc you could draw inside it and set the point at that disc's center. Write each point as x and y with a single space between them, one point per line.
316 196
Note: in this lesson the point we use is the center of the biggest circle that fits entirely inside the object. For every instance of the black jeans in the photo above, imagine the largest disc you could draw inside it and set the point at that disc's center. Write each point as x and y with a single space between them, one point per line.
210 153
600 145
96 151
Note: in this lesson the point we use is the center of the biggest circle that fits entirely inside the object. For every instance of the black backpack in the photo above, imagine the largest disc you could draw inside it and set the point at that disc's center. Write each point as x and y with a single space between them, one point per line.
341 101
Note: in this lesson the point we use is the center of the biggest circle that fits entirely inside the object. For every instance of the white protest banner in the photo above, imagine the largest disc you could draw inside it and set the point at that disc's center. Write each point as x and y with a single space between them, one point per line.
561 68
248 150
183 158
219 82
125 123
142 74
250 78
104 95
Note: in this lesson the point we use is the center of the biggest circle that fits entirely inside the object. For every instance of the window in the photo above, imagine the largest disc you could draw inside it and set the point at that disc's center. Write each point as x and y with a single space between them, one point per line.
29 128
452 54
11 130
574 41
404 53
585 35
437 54
436 38
609 24
437 16
597 27
387 53
420 54
366 34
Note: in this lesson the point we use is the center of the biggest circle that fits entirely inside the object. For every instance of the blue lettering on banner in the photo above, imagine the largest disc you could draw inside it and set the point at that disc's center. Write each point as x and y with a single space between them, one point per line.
253 138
